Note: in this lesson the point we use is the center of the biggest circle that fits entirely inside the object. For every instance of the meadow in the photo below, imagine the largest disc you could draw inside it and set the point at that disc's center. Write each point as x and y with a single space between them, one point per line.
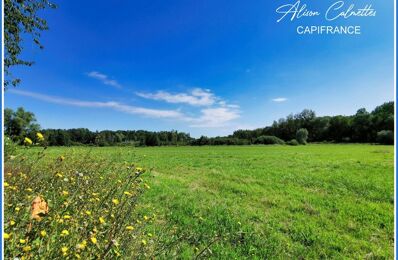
234 202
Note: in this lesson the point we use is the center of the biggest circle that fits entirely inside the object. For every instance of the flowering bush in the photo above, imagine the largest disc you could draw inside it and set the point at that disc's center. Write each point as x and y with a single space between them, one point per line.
72 207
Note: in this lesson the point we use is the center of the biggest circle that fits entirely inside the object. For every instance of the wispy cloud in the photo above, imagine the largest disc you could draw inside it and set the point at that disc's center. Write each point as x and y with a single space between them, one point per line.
196 97
219 115
156 113
104 79
279 99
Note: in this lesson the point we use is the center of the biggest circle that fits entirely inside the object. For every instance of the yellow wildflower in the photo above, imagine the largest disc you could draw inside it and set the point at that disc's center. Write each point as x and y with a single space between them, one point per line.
27 248
146 217
130 228
101 220
64 232
6 184
88 212
65 193
17 209
64 250
22 241
128 193
67 217
93 240
43 233
6 236
115 201
82 245
143 242
27 141
39 136
29 190
12 223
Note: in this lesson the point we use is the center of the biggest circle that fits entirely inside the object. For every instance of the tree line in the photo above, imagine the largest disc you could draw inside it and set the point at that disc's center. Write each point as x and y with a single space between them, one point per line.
376 126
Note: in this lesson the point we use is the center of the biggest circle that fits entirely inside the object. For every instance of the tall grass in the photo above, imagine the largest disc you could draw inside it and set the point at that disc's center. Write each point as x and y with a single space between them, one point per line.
75 206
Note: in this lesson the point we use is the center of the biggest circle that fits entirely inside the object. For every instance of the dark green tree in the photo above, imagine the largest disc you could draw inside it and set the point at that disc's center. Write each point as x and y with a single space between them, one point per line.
302 136
20 124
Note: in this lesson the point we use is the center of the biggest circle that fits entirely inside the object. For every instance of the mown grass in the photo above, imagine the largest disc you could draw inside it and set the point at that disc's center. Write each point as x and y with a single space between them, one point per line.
314 201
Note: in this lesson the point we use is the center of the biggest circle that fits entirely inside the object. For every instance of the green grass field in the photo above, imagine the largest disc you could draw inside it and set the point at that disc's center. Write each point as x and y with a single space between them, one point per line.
314 201
267 201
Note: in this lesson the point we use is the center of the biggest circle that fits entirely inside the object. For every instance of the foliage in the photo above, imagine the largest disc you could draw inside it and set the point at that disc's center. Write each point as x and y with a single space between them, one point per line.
302 136
385 137
266 139
292 142
10 148
21 17
20 124
361 127
91 207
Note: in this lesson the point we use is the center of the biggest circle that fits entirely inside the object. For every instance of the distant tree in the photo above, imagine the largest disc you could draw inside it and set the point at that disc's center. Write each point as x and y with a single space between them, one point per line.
152 140
21 17
385 137
339 128
361 126
302 136
20 124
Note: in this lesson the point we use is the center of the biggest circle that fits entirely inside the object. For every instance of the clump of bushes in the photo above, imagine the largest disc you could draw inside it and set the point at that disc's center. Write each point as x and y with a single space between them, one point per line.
268 139
385 137
73 207
292 142
302 136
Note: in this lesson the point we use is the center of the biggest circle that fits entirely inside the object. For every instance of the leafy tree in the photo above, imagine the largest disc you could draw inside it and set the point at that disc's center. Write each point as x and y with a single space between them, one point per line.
361 126
339 128
19 124
302 136
152 140
21 17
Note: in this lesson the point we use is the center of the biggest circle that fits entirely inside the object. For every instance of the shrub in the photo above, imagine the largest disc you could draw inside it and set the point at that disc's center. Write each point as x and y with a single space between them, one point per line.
268 139
302 136
385 137
293 142
10 148
73 206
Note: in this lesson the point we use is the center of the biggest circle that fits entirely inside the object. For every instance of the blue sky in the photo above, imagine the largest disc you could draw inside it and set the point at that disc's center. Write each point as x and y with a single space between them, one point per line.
203 67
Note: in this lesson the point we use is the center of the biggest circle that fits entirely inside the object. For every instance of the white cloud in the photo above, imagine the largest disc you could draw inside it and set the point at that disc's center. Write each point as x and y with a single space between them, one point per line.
104 79
279 99
110 104
215 117
197 97
218 113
